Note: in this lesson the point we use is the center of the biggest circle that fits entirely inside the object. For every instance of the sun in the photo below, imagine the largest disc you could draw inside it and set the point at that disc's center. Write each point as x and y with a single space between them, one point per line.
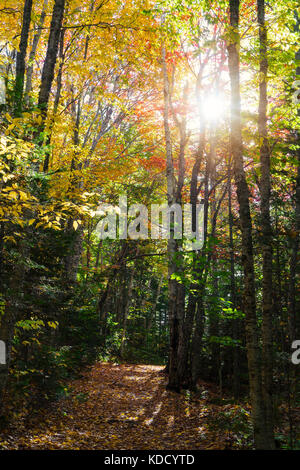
211 109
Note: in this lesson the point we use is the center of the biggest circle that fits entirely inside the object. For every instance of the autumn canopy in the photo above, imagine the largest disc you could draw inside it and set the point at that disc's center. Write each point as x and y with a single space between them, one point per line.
111 110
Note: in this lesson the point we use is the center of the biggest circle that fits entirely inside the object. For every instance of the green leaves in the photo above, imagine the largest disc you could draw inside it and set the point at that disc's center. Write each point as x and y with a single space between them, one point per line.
227 341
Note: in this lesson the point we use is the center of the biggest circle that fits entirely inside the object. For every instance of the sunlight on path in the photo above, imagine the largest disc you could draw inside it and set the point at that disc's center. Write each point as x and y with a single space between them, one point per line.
119 407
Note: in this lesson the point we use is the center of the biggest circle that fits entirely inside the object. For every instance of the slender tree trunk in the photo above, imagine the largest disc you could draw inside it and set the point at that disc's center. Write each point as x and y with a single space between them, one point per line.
236 362
174 314
106 293
294 267
49 64
154 308
184 366
72 258
293 318
126 310
197 339
266 239
246 229
21 57
98 257
292 303
201 269
214 323
179 262
35 42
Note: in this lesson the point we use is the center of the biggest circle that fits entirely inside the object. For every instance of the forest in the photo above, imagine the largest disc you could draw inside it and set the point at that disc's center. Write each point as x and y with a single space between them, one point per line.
149 225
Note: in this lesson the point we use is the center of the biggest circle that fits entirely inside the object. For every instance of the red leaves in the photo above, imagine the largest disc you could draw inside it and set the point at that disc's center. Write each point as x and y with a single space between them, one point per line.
154 162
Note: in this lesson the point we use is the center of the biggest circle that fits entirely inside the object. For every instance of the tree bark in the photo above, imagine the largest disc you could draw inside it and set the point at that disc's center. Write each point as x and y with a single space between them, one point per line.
49 64
33 50
292 303
233 299
246 229
21 57
266 238
126 309
175 315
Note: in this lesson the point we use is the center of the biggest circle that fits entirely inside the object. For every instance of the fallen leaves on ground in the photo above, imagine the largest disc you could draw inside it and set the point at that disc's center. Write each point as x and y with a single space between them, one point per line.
118 407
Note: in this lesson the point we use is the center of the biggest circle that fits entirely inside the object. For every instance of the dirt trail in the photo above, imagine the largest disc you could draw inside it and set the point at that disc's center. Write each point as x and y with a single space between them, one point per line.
120 407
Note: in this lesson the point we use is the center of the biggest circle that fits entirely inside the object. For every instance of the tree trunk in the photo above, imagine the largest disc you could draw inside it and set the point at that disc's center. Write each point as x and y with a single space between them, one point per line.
184 365
214 323
246 229
21 57
72 258
49 64
236 361
33 50
266 239
174 314
126 310
292 307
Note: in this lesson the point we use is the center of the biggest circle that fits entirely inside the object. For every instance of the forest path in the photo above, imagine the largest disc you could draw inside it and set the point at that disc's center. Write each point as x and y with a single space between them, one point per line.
118 407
